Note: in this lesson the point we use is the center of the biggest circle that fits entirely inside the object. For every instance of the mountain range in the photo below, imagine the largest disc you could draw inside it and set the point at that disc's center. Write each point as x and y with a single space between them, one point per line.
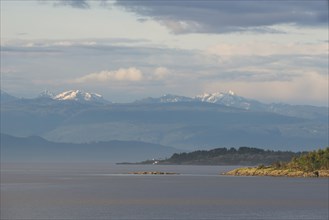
229 99
206 121
74 95
222 98
37 149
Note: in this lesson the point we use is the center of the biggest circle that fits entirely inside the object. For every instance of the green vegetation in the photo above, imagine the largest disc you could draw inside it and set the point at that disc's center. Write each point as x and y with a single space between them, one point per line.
312 164
232 156
312 161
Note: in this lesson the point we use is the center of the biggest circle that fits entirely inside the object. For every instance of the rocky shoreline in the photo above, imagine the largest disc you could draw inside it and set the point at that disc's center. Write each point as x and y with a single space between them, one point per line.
270 171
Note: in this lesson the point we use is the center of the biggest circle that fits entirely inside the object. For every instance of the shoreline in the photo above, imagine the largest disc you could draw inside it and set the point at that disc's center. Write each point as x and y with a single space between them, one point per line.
269 171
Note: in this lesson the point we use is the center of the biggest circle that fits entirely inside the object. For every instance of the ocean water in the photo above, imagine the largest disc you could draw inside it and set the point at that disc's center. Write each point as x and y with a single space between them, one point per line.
107 191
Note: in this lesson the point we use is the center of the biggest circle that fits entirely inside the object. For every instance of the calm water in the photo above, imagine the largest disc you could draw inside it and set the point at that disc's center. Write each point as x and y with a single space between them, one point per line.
106 191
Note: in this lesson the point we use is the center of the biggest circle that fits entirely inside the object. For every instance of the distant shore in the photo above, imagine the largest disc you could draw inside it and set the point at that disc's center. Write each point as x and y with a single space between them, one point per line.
270 171
244 156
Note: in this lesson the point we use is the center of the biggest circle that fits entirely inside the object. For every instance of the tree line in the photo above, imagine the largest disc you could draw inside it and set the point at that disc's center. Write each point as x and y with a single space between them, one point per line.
312 161
231 156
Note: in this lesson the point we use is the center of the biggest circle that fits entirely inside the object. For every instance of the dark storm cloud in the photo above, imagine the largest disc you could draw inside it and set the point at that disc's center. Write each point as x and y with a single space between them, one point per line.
188 16
210 16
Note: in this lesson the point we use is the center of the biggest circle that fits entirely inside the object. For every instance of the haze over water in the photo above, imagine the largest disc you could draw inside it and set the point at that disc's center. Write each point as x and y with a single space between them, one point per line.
107 191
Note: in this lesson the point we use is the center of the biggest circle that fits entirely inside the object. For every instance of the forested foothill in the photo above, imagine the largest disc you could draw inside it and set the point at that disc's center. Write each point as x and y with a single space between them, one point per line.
229 156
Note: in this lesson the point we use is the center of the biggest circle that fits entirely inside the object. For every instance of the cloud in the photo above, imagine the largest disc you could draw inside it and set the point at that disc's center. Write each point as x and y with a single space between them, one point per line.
117 45
180 27
22 33
8 70
74 42
130 74
160 73
79 4
310 87
229 16
82 4
260 70
267 49
210 16
254 70
29 48
271 68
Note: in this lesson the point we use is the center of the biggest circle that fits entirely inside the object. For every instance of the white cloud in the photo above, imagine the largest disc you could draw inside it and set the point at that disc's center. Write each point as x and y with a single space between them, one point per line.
179 27
130 74
311 88
161 73
266 49
8 70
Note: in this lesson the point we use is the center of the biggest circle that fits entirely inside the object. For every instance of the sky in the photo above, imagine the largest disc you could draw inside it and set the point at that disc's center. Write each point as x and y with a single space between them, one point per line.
269 50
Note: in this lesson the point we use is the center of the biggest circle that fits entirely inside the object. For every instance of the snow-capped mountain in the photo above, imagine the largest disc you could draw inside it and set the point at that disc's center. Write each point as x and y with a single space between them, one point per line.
80 96
214 97
185 122
46 94
168 98
73 95
230 99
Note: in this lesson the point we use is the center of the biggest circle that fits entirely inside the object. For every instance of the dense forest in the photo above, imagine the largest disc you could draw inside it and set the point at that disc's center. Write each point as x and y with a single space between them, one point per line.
232 156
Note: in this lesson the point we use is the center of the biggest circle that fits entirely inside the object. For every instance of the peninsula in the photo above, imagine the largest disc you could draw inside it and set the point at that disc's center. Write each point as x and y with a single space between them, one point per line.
312 164
244 156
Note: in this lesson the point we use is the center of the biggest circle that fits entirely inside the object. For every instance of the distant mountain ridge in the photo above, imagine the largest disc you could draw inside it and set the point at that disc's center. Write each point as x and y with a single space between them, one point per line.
46 94
219 119
231 99
167 98
75 95
78 95
35 148
70 95
5 97
223 98
228 99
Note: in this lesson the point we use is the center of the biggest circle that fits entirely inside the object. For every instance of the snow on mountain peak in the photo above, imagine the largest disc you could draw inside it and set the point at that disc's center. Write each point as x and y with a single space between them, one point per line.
167 98
228 98
212 98
173 98
46 94
230 92
78 95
